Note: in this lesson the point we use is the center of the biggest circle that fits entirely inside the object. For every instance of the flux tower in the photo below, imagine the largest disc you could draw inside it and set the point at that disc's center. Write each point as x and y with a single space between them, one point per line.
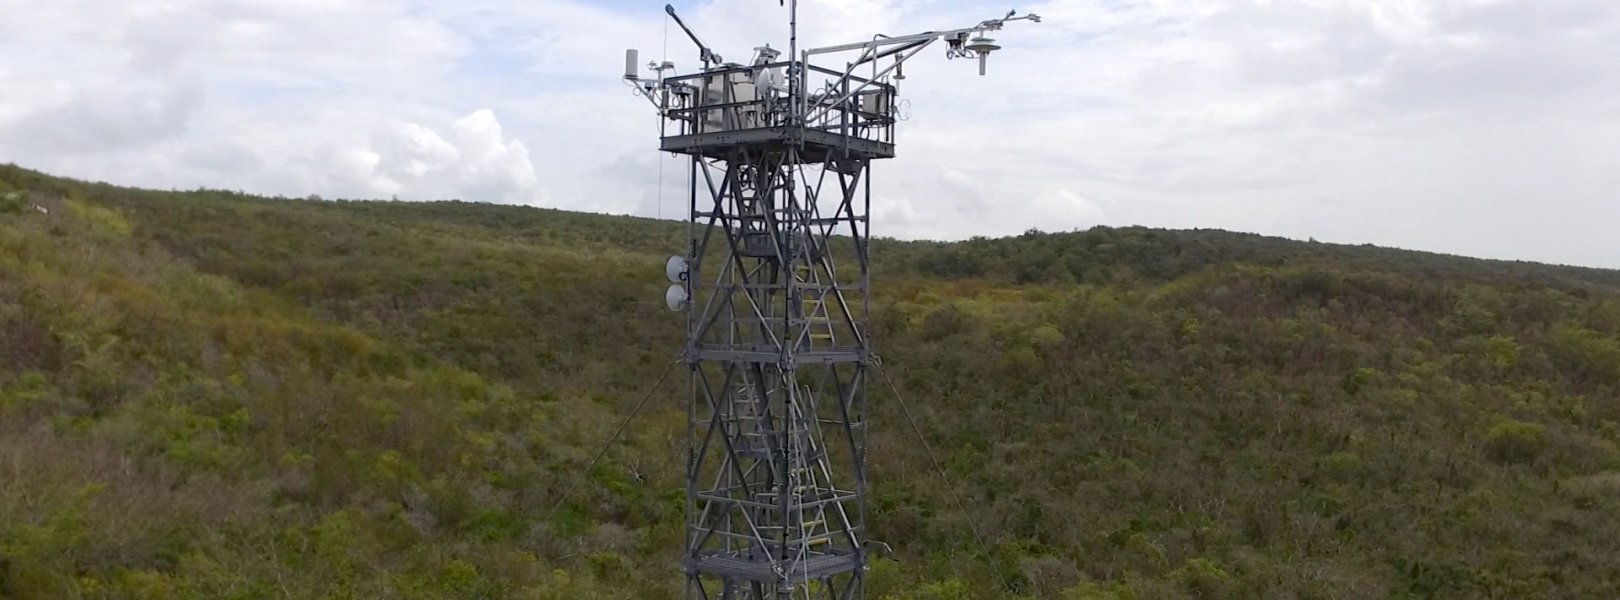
775 287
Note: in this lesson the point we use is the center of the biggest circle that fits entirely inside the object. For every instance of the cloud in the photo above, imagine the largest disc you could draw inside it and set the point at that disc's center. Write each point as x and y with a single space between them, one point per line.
1483 127
414 162
97 116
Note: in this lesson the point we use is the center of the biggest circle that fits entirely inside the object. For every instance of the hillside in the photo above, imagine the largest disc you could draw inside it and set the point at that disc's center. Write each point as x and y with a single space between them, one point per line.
213 395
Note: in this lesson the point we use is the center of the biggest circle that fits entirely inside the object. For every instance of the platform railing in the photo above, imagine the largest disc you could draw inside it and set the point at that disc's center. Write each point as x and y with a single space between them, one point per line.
730 99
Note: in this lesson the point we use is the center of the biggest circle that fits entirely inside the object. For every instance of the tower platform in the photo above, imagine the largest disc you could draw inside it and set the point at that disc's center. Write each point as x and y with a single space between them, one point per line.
814 145
815 568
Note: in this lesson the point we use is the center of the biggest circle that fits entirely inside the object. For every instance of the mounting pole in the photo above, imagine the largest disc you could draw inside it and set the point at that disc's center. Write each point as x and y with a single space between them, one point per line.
793 51
706 55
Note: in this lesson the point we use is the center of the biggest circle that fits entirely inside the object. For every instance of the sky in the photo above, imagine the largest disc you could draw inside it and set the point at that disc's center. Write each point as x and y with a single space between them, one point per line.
1486 128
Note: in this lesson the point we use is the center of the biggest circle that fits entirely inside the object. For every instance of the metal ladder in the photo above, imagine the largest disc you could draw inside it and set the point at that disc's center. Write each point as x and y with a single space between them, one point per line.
813 305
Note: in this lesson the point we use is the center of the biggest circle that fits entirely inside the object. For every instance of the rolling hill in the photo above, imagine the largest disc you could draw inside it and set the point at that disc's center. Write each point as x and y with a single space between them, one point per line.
208 394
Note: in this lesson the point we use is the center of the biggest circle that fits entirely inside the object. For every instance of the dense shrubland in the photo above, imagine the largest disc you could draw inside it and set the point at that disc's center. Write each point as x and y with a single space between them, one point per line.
212 395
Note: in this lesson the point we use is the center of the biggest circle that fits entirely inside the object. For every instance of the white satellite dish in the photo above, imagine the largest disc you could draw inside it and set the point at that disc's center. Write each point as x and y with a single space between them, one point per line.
676 298
676 269
770 81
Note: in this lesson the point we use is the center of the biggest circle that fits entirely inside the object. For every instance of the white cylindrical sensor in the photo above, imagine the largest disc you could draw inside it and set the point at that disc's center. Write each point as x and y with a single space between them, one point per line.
632 69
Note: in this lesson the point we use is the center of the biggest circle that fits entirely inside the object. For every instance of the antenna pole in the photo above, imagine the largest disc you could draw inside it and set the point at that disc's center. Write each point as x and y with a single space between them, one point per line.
793 52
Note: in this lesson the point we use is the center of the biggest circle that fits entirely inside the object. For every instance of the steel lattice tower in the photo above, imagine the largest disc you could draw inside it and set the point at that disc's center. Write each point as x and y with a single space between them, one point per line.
776 287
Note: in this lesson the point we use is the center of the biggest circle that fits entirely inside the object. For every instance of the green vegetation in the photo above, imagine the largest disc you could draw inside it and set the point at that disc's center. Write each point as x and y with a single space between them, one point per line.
211 395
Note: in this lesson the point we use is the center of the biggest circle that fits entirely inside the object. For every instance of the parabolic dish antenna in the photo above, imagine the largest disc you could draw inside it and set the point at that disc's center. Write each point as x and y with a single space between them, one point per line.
676 298
676 269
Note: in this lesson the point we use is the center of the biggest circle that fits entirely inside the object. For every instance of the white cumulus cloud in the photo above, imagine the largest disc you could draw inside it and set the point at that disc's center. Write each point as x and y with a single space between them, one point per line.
414 162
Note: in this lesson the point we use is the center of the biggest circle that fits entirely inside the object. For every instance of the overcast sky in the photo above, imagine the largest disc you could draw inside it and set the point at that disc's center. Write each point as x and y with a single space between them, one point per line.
1480 127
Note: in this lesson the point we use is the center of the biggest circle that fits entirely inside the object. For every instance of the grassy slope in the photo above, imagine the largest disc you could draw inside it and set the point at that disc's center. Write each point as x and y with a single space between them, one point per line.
211 395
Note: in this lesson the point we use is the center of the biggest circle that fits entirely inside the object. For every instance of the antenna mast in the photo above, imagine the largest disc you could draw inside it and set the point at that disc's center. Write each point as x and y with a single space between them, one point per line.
775 286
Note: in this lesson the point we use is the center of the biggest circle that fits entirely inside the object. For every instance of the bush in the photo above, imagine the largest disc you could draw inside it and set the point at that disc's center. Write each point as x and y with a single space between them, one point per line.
1502 352
1342 466
1511 441
13 202
1205 579
1094 591
1587 353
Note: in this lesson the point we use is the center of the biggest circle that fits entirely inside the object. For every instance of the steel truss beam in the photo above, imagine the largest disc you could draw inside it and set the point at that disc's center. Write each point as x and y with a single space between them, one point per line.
778 352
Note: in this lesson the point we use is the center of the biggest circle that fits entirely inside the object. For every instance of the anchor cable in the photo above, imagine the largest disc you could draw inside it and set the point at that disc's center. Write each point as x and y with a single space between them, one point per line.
949 485
578 479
